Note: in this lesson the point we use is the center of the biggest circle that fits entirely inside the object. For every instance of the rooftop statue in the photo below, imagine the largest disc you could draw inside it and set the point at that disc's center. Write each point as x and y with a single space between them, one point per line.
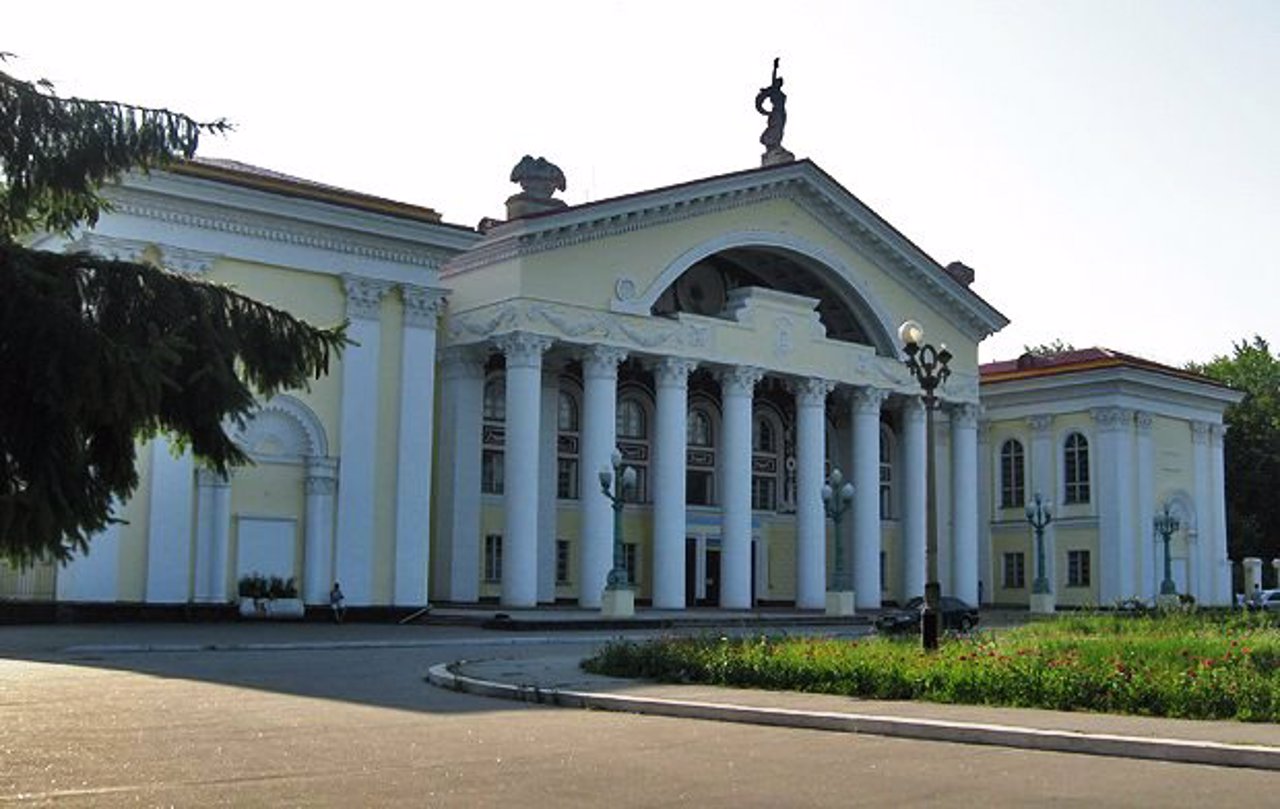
777 120
538 177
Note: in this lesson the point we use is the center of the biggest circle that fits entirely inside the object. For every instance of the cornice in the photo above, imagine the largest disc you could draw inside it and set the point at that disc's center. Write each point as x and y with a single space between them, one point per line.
171 257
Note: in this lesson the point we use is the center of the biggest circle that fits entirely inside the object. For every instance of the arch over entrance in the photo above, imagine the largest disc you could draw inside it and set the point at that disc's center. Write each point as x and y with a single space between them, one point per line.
283 430
781 261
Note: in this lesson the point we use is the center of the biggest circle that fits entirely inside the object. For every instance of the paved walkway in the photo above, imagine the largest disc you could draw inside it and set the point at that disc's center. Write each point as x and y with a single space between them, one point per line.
561 680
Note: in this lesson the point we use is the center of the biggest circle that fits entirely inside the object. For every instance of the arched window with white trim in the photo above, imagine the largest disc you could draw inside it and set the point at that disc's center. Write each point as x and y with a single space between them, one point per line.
766 450
632 425
888 446
1013 474
567 443
1075 469
700 456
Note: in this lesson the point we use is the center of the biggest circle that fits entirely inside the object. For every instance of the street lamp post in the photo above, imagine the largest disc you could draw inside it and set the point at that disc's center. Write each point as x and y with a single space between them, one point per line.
929 366
837 494
1166 525
619 598
1039 516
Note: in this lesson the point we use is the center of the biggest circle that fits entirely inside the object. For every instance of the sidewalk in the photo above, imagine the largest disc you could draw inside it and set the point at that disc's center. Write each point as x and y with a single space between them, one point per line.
560 680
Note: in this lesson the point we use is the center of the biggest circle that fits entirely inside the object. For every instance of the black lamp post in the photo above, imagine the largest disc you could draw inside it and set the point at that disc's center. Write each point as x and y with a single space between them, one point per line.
614 482
835 500
1167 525
929 366
1039 517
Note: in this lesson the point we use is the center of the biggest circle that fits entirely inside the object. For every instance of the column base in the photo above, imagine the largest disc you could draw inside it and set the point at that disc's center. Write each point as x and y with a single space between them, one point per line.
1043 603
840 602
1166 601
620 603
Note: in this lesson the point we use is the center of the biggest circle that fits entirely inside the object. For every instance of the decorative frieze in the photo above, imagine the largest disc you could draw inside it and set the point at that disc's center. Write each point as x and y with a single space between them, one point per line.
581 325
364 296
177 259
1112 418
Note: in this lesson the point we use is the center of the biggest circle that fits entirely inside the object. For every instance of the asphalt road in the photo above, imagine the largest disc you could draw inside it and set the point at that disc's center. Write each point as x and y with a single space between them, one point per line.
360 727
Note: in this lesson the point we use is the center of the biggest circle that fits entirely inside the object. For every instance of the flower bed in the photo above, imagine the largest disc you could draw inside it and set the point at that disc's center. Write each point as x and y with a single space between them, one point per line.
1177 665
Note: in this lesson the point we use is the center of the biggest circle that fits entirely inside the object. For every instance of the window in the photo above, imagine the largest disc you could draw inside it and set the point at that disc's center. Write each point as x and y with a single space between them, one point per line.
764 462
629 561
1013 475
700 459
1077 568
493 558
886 473
567 438
1076 469
699 489
562 561
1015 571
493 436
630 420
633 443
698 428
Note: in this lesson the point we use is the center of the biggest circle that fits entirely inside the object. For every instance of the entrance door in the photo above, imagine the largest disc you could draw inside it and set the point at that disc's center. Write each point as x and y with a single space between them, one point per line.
690 571
712 598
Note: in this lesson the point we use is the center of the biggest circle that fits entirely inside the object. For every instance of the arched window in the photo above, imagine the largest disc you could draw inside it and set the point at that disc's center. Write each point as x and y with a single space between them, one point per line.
1013 474
886 472
493 435
765 463
1075 469
633 442
700 458
567 447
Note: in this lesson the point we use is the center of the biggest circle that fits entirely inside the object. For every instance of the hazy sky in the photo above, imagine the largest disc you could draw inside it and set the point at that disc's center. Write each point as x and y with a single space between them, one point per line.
1110 169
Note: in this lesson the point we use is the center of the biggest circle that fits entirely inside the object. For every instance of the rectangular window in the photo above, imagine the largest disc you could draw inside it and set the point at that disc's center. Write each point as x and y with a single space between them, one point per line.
699 489
562 561
1077 568
629 561
493 558
491 471
638 493
764 493
567 479
1015 567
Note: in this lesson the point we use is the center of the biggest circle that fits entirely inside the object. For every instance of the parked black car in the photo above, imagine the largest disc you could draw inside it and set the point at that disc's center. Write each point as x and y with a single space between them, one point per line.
956 615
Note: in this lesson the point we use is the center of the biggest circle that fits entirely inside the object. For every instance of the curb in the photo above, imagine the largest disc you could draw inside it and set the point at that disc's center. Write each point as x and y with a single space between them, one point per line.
1176 750
132 648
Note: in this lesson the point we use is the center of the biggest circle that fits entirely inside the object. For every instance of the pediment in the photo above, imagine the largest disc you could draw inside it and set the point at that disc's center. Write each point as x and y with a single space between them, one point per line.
845 221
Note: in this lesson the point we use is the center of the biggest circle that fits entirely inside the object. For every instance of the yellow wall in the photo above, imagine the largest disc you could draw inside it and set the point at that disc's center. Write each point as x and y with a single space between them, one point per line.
267 490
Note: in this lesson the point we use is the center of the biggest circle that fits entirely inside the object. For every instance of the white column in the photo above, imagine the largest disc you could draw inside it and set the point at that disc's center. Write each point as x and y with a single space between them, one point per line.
865 418
811 519
520 467
986 572
413 449
457 513
1114 492
1222 594
1200 549
548 468
1042 463
964 502
599 435
1147 571
914 498
736 387
169 524
672 377
94 575
213 530
359 434
317 530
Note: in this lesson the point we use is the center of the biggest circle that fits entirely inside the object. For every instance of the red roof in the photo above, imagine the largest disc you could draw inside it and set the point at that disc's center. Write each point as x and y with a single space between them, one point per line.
1030 366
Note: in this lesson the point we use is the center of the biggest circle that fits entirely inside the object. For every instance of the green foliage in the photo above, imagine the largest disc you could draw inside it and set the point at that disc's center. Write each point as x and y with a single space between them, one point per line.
1048 349
96 353
1251 448
1177 664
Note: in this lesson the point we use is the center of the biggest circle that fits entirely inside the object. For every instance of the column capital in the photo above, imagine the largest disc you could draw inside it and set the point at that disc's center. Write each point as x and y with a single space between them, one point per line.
1040 424
672 371
1217 432
462 362
1199 432
364 296
1111 419
212 479
601 361
964 415
867 400
523 349
811 391
739 379
422 305
321 476
1142 419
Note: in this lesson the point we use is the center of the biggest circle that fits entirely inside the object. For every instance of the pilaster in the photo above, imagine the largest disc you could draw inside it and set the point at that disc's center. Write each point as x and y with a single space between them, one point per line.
321 486
169 524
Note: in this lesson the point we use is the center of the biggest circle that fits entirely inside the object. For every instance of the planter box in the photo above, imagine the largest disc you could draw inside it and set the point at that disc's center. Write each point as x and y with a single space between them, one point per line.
278 609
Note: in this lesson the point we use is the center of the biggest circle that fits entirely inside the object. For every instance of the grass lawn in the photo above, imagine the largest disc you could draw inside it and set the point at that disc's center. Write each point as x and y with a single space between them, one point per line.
1190 665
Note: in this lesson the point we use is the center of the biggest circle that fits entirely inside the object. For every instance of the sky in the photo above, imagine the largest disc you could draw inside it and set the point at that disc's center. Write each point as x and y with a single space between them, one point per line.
1109 168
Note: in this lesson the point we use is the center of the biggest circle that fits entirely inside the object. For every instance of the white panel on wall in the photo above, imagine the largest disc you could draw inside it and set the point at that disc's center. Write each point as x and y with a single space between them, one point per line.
266 546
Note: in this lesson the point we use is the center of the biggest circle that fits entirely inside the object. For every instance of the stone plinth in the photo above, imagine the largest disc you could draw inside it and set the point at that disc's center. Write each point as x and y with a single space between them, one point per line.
620 603
840 602
1252 576
1043 603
